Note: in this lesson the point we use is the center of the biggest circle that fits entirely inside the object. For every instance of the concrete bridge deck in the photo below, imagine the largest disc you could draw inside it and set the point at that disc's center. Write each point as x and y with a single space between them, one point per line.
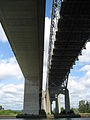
23 22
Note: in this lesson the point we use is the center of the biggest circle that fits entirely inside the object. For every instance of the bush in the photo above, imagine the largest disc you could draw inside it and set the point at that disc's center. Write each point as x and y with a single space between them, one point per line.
63 110
72 111
42 112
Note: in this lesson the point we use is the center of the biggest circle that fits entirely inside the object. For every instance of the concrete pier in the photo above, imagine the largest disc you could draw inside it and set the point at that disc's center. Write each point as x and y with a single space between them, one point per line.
57 110
67 101
44 100
31 96
59 105
48 103
51 106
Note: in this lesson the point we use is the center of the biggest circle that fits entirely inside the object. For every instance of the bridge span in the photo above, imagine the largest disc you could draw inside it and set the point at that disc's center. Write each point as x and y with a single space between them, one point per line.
70 30
23 22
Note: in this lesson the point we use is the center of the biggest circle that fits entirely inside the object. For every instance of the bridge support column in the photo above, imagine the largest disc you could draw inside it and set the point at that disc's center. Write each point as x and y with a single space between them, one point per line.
59 106
51 106
57 110
48 102
67 101
44 101
31 96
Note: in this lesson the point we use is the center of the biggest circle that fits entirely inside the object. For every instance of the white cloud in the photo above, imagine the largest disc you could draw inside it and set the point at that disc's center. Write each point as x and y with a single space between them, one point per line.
79 88
85 68
85 58
76 85
76 90
10 68
3 37
12 96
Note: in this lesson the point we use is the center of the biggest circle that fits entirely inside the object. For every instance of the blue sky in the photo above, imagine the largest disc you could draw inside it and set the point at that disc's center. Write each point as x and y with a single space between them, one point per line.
48 8
12 80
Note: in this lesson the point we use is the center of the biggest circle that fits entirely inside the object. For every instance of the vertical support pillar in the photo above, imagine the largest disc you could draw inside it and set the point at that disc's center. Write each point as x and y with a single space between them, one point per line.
48 103
44 100
31 96
67 101
40 100
57 110
59 106
51 105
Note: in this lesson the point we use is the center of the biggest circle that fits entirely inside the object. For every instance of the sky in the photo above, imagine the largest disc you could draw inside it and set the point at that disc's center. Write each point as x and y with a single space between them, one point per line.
12 80
11 77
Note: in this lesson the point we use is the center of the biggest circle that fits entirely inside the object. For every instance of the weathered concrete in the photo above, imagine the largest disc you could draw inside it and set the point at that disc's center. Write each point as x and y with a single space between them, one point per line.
44 100
67 101
48 102
31 96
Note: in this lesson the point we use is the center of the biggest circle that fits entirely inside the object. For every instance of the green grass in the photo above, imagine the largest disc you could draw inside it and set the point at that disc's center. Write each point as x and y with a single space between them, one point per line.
9 112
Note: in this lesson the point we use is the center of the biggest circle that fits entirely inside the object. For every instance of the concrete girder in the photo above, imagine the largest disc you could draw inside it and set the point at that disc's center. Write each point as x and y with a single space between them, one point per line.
23 22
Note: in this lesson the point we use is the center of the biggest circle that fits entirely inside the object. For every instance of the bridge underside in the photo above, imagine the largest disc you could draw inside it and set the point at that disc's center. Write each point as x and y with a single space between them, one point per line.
23 22
72 34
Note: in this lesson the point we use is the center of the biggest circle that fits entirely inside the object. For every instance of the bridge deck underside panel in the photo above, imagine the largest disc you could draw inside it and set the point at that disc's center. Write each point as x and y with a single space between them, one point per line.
73 32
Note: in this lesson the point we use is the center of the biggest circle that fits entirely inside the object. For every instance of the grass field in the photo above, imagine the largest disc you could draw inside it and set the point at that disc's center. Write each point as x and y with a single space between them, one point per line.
9 112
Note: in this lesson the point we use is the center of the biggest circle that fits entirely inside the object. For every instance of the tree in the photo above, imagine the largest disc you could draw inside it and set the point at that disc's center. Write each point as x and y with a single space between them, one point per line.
87 106
82 106
0 107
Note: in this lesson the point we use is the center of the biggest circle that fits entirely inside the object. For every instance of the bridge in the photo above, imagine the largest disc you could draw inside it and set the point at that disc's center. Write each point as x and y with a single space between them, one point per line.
23 22
69 32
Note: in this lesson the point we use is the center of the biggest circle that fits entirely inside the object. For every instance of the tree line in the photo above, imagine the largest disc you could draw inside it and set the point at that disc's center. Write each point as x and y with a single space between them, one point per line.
84 106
